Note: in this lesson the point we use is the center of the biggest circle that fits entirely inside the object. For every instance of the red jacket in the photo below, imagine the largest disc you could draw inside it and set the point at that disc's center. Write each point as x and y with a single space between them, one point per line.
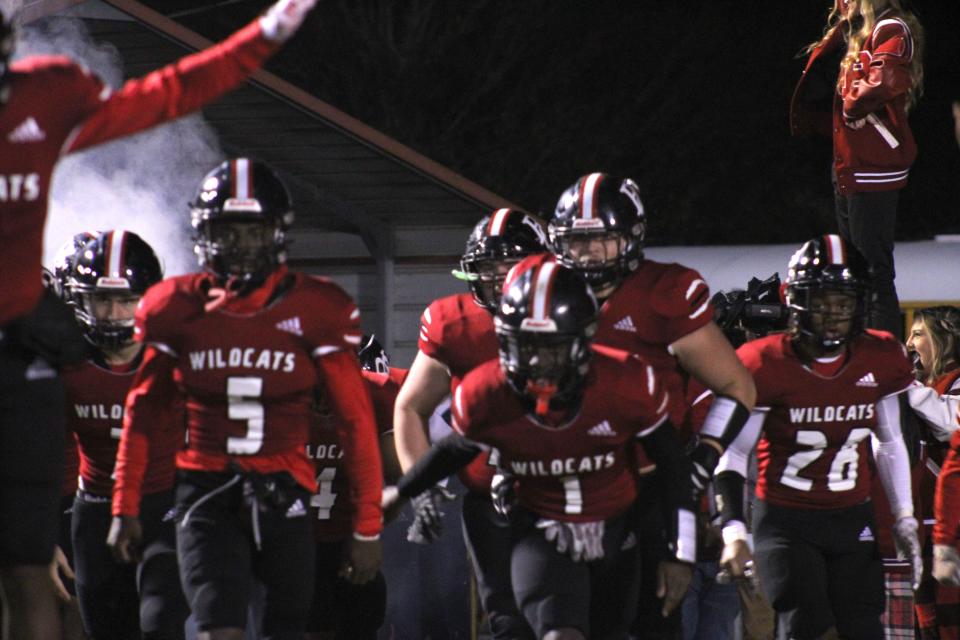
873 146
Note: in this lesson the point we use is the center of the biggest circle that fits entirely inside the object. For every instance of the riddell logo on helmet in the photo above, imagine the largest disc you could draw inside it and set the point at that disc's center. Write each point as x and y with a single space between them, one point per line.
243 205
589 223
546 325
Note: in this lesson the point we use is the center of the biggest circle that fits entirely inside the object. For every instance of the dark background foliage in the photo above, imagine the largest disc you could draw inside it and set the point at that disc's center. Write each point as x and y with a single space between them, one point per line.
689 98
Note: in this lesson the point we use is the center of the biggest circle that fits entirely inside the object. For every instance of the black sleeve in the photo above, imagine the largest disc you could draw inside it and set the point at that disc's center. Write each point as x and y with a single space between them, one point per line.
664 448
444 458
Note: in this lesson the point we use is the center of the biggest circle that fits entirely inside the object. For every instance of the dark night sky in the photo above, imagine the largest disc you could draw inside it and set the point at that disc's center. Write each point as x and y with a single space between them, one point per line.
690 98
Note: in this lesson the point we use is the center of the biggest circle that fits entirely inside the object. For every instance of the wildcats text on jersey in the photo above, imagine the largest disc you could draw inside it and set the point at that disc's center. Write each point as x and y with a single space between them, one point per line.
99 411
17 186
562 466
247 358
840 413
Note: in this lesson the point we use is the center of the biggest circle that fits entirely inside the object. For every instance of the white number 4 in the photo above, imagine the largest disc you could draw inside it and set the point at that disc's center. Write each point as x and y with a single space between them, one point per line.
843 471
325 496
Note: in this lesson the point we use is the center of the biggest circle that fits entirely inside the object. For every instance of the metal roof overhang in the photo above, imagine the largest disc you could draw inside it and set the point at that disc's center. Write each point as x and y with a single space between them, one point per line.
345 176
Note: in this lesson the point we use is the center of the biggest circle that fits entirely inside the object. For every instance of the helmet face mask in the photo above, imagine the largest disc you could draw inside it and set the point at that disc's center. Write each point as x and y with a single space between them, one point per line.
598 229
240 216
828 292
496 243
109 276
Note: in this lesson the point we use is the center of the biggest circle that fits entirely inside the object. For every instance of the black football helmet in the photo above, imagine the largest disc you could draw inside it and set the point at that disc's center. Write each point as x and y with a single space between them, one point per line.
545 324
827 264
113 262
496 243
55 278
241 191
372 355
600 206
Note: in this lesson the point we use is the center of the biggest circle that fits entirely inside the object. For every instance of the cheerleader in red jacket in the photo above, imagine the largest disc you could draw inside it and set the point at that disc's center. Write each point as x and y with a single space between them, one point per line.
878 46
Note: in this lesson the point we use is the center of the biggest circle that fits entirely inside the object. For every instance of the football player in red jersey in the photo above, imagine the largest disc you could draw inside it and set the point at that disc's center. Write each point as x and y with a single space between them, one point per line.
824 389
946 530
341 609
456 335
108 278
563 418
245 344
661 312
51 106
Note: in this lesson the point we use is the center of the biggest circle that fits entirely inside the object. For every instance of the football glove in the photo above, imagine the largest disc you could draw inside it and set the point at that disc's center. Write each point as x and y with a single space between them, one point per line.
426 526
283 19
581 540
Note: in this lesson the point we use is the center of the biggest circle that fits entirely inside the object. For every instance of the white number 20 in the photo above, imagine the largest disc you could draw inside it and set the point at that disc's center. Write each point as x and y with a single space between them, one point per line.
843 470
241 405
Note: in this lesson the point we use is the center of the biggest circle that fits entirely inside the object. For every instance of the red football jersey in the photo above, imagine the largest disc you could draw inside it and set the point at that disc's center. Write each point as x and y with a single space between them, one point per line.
57 107
459 333
94 399
579 471
814 450
946 504
654 307
331 505
248 379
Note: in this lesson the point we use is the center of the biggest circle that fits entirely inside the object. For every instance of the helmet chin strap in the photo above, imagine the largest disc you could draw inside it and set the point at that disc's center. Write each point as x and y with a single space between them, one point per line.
542 393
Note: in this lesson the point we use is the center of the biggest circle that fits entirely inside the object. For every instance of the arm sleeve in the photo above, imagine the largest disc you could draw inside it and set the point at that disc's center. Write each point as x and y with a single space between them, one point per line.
350 401
939 412
887 74
946 506
663 446
147 406
444 458
893 464
731 471
174 90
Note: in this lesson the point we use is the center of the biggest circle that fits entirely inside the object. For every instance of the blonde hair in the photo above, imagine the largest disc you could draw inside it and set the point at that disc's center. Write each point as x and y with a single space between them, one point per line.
943 326
868 11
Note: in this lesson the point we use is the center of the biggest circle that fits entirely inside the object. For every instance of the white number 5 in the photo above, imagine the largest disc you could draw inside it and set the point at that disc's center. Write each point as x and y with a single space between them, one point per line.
240 406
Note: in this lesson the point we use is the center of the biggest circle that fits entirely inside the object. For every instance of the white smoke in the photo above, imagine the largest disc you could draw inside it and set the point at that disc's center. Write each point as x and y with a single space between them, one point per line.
141 183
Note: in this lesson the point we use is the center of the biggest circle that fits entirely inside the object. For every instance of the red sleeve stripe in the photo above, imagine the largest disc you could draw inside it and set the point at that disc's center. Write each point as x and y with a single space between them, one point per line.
588 188
543 286
498 221
835 249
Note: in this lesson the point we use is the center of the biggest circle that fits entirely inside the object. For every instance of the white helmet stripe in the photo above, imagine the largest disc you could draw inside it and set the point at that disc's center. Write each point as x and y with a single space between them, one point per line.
115 255
541 292
498 222
589 188
835 246
241 183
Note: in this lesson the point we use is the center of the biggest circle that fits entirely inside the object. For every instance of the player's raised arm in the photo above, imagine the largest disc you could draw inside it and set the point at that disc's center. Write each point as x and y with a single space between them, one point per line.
187 84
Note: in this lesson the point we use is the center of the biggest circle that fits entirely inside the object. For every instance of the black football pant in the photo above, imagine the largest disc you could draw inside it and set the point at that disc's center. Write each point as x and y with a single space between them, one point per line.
31 458
653 548
352 611
554 592
868 220
488 538
821 569
116 600
232 531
